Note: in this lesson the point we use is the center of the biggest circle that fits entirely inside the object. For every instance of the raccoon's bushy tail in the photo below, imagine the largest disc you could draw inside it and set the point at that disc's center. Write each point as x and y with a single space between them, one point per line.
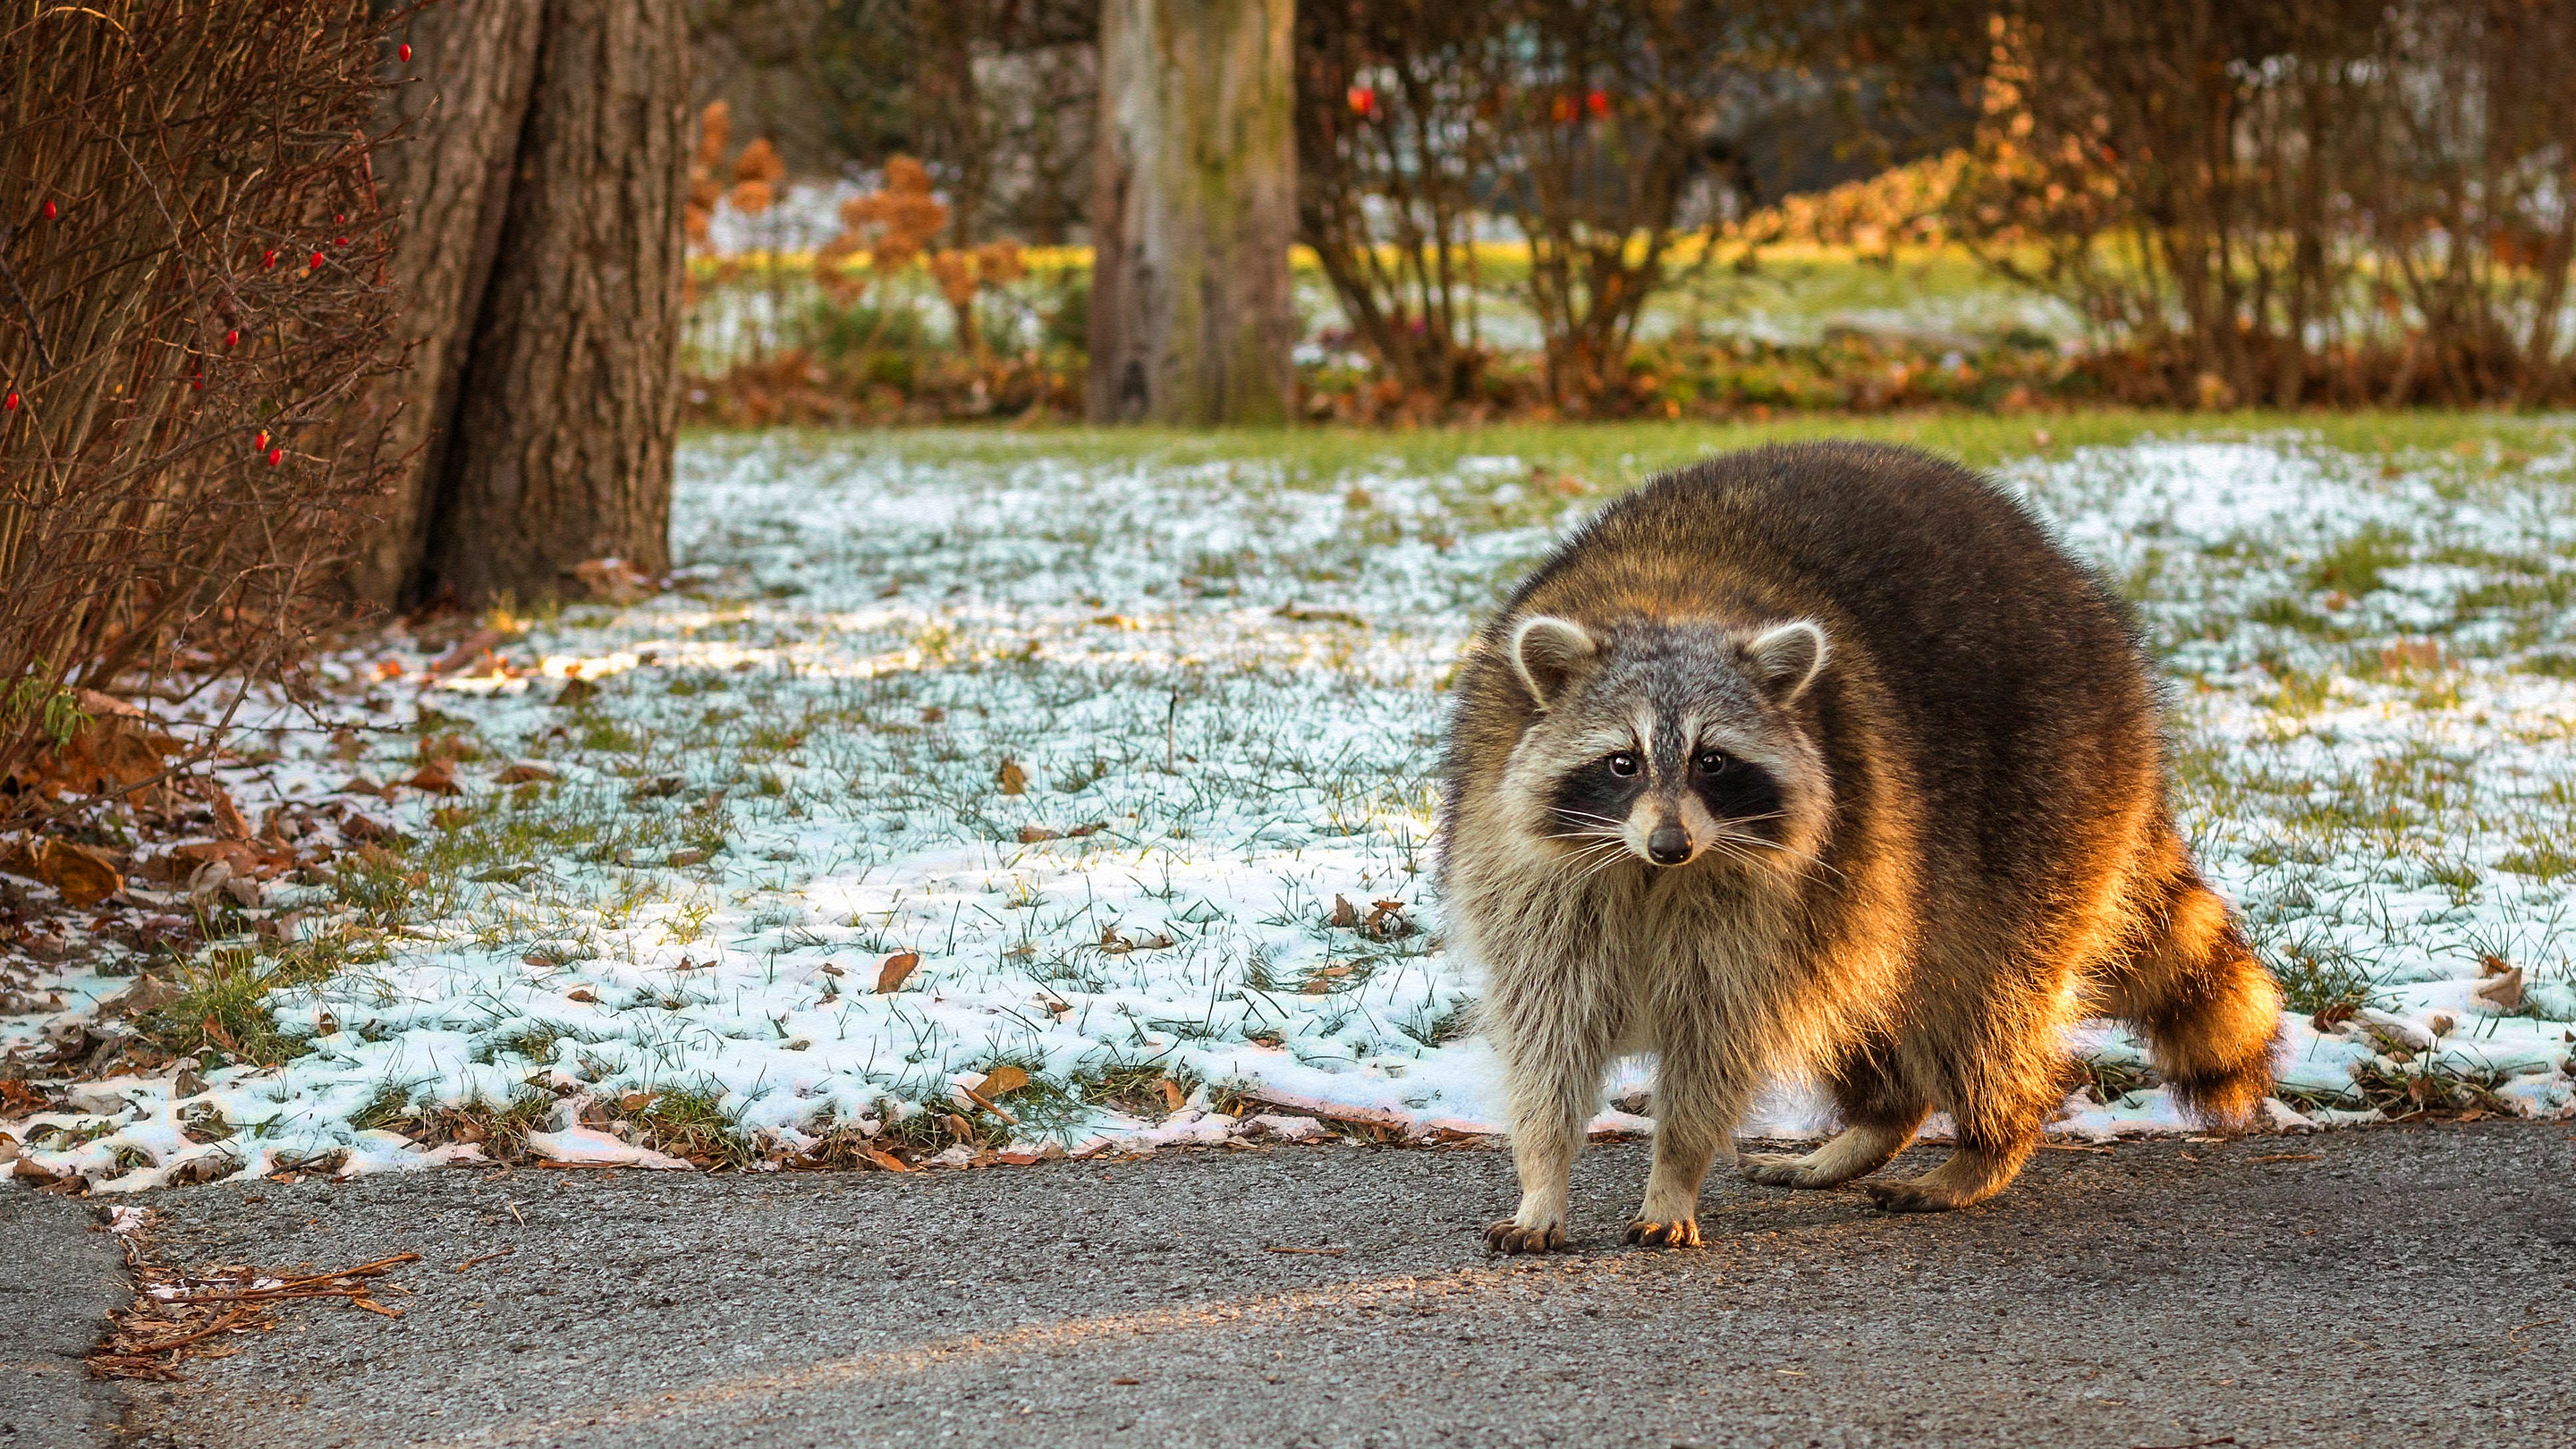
2211 1013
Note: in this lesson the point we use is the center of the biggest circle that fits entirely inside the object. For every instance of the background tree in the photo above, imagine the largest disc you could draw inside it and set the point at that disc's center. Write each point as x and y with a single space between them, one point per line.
1193 212
544 184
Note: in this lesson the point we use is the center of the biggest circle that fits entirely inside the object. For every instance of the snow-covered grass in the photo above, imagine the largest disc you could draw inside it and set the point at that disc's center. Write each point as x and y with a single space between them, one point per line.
1107 734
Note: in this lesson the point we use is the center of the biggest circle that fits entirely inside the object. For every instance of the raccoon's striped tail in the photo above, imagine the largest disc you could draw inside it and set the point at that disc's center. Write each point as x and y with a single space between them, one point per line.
2211 1013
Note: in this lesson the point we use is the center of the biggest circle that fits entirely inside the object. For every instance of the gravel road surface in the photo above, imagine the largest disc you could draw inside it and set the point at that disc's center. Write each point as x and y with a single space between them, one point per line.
2400 1286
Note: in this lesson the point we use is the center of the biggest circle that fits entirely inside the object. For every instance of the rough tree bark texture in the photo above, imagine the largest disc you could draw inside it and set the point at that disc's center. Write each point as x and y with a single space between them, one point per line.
459 110
1194 205
551 170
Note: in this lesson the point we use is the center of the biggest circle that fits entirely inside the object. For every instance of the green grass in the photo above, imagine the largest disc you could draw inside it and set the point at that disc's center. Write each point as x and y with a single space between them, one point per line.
1614 455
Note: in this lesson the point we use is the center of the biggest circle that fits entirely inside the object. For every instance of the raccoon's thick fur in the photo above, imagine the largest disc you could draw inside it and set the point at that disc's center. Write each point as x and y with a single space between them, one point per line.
1824 758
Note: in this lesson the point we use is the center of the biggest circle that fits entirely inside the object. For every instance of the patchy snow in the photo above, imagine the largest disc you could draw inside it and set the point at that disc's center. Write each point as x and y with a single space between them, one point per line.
1108 745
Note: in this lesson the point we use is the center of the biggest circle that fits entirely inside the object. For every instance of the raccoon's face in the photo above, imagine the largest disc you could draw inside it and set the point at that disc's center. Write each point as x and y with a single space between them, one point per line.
1669 744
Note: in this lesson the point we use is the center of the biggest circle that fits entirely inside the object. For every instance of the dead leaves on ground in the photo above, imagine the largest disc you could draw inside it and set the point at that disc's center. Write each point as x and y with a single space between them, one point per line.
1385 921
84 875
179 1315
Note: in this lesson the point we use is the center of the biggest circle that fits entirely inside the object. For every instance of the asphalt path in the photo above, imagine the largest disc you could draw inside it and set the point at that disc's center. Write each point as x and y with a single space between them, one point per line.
2404 1286
59 1276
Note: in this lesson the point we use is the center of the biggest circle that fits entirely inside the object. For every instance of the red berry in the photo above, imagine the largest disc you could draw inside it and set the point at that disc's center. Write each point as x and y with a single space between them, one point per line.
276 456
259 442
343 241
1598 102
268 259
336 220
50 213
404 51
233 338
196 382
1363 100
13 400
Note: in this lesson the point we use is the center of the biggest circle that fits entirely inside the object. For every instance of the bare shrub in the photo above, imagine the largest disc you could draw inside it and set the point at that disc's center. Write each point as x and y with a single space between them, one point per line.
2310 201
191 283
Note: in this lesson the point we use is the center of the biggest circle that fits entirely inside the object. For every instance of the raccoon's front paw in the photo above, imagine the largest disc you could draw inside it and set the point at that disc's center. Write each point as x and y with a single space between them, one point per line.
1912 1195
1676 1233
1508 1236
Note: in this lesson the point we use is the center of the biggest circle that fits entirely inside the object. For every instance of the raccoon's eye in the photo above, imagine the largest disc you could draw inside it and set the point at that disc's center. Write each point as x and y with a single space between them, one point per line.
1623 764
1709 761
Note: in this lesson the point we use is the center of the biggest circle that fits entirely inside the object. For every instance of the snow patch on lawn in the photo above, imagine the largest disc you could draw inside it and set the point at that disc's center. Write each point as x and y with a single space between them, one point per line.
1138 760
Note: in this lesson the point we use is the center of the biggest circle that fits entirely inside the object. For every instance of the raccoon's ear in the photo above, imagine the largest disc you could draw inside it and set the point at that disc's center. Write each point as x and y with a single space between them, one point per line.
1547 652
1784 659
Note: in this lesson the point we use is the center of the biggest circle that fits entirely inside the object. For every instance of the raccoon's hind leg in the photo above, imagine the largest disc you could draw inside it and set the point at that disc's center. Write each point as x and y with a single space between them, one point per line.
1999 1077
2210 1012
1880 1114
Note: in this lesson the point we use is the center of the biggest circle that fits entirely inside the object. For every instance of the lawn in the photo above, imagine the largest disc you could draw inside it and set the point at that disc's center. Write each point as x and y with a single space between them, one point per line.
1047 791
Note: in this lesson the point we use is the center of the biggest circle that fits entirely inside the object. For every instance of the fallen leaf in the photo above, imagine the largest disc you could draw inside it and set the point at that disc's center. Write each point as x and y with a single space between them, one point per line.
891 974
1173 1096
85 875
576 690
523 772
885 1159
436 778
1345 915
960 1128
614 580
2334 1016
1002 1081
2411 654
450 817
1011 779
2503 992
468 649
581 994
228 816
1315 614
1032 834
828 969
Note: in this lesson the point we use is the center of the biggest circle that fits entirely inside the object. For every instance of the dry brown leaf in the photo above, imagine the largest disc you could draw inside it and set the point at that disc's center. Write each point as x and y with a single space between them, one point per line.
2503 992
1032 834
614 580
1173 1096
581 994
228 817
524 772
468 649
1011 779
85 875
436 778
891 974
885 1159
1002 1081
1345 915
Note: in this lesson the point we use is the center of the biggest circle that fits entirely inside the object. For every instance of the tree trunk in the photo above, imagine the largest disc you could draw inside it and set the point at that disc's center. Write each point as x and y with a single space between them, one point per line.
1193 207
459 110
545 262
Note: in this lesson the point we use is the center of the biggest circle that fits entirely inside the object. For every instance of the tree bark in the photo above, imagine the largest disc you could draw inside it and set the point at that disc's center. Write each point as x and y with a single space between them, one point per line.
1193 208
544 261
567 417
459 109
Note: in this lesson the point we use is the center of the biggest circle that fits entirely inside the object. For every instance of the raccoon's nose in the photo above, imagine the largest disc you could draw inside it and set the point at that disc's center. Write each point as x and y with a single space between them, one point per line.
1669 845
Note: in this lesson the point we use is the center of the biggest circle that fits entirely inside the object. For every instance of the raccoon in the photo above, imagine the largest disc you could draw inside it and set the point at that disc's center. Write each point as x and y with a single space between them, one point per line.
1826 759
